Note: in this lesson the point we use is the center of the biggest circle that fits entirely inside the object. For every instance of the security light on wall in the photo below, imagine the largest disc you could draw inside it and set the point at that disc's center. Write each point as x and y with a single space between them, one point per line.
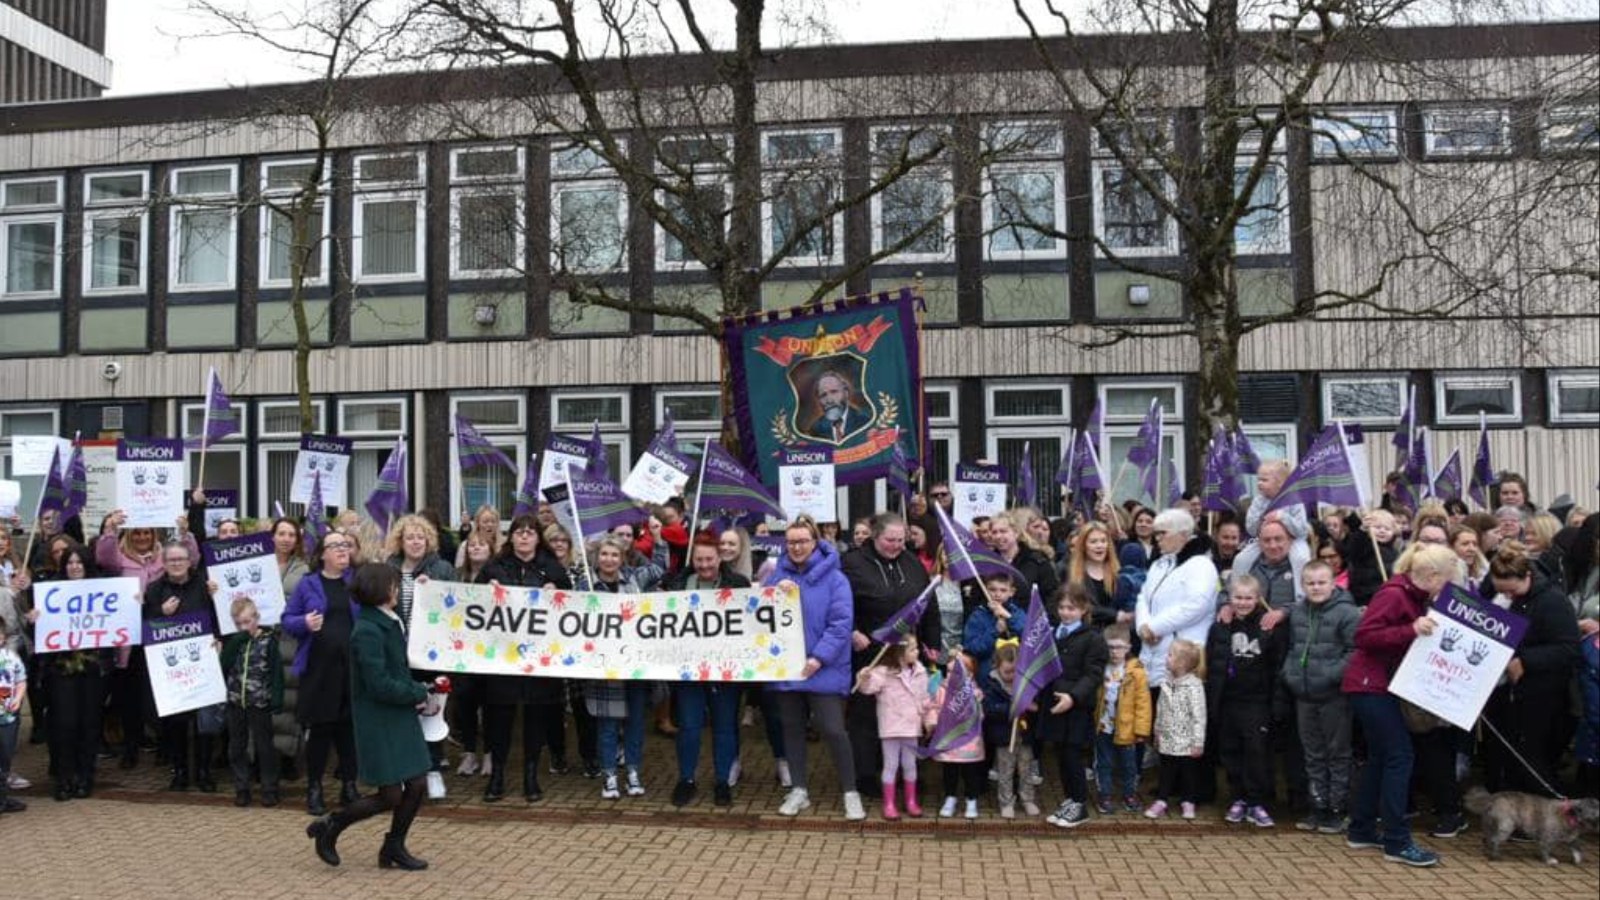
485 314
1138 295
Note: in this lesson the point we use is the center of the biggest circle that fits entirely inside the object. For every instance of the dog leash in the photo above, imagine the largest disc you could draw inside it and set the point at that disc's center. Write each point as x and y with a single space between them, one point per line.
1484 720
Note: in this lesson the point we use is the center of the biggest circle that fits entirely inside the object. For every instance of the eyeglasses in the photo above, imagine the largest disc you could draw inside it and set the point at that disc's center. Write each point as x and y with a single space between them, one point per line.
337 545
939 495
803 542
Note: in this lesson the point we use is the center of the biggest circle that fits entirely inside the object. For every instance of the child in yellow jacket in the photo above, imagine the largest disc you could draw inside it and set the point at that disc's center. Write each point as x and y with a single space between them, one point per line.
1122 723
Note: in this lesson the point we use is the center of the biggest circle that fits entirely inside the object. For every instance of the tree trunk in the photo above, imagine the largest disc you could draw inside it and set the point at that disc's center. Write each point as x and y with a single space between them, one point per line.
1217 333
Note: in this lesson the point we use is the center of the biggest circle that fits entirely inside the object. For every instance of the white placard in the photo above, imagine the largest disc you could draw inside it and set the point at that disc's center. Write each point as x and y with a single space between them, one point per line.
88 614
100 474
326 458
150 483
31 453
1452 671
244 567
805 484
10 498
185 671
561 453
658 477
979 491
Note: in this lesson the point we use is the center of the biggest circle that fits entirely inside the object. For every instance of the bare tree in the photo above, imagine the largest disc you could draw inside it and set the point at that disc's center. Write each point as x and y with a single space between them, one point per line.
1206 191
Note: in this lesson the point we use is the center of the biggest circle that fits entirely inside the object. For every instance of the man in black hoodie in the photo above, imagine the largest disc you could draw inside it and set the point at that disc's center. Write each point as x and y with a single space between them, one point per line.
883 578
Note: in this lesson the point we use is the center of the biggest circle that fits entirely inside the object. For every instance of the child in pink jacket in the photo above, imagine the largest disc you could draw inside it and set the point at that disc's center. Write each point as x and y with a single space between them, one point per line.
964 771
901 686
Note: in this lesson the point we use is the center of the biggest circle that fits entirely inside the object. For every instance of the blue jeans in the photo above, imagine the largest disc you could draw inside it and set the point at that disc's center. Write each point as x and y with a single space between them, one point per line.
695 702
1109 758
1386 778
630 728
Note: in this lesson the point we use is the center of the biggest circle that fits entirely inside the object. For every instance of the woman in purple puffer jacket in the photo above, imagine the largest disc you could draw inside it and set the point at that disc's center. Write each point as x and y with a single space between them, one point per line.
827 612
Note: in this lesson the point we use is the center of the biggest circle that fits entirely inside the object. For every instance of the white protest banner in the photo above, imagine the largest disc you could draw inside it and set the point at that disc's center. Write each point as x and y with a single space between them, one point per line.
980 490
150 481
561 452
660 474
805 484
31 453
329 459
732 634
185 672
220 507
244 567
10 498
88 614
100 474
1451 672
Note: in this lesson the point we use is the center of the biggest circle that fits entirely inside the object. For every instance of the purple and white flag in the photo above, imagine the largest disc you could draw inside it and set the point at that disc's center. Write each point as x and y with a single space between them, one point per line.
221 420
1483 476
1447 485
906 619
390 498
474 450
1038 664
1324 475
960 718
525 502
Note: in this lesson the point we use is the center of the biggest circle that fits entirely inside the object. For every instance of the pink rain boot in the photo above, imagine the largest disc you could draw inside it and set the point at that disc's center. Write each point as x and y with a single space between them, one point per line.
913 808
889 810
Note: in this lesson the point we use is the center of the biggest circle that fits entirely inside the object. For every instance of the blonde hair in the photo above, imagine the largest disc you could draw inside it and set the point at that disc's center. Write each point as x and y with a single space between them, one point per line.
1189 654
1248 583
1437 559
1383 515
392 544
805 522
553 530
1079 556
1024 516
241 606
1540 531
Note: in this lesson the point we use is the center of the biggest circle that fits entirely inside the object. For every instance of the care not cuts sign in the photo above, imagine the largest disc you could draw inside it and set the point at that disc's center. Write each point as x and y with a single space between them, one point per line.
150 482
326 459
980 490
87 614
1451 672
244 567
185 672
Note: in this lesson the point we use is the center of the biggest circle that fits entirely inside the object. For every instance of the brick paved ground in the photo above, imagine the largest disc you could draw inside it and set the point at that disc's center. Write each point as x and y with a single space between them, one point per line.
136 841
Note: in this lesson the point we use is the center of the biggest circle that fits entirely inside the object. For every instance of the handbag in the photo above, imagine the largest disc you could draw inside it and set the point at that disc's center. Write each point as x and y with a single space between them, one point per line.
1419 720
211 719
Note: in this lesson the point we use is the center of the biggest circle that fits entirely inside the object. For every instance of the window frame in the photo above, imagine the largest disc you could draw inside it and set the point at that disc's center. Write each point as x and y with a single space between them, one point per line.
1169 244
88 188
777 173
1443 382
389 185
1430 135
517 177
561 427
344 403
1326 147
1278 243
514 434
280 193
690 264
994 434
1057 172
1172 414
1585 146
108 212
208 202
937 168
319 412
240 412
25 511
1325 389
489 188
557 188
55 219
992 419
659 405
1554 380
419 237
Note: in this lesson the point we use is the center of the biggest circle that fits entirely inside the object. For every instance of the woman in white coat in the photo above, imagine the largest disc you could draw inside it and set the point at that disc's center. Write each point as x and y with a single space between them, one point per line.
1179 597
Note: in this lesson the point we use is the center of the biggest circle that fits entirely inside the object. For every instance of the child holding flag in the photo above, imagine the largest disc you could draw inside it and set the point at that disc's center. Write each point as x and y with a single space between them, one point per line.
901 686
1068 721
959 748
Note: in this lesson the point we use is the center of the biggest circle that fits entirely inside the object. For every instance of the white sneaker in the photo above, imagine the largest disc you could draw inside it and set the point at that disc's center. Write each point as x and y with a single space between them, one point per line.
733 774
635 786
948 808
608 790
487 768
993 775
784 779
435 786
795 802
17 782
469 764
972 810
853 810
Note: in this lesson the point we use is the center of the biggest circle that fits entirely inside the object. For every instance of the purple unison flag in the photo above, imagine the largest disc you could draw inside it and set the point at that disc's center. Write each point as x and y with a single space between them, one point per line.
727 485
1174 483
1218 483
1245 458
960 718
1038 664
599 460
899 471
904 622
1146 447
1403 432
1323 475
317 526
1096 424
1482 468
525 502
1027 485
220 418
1085 479
77 484
54 498
1447 485
969 557
597 502
1414 478
669 429
1068 461
390 499
473 449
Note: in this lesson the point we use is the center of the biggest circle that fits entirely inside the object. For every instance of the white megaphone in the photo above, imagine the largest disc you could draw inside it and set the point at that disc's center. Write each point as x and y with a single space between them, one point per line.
431 717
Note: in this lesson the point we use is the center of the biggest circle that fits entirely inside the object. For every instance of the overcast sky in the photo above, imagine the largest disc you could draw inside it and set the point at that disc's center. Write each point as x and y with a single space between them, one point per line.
151 53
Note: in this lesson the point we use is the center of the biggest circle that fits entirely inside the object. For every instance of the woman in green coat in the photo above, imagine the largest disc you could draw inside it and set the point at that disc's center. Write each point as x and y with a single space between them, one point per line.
384 701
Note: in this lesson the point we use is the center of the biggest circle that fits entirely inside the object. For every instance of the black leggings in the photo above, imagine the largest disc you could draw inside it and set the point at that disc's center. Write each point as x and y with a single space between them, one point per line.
325 737
968 775
499 720
1180 778
1074 781
404 798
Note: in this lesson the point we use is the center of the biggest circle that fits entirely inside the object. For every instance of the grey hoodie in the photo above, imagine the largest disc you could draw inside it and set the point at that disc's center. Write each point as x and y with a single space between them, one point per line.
1321 639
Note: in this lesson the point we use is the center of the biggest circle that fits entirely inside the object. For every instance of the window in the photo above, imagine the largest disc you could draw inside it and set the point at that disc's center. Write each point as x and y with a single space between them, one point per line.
577 412
803 180
278 428
1125 404
225 461
1129 219
16 423
502 419
942 405
30 238
1574 397
281 418
1466 131
1025 206
913 216
589 213
388 234
282 183
486 219
1355 133
114 230
203 228
374 424
1571 127
702 210
1364 400
1459 399
692 410
1264 226
1138 137
1027 403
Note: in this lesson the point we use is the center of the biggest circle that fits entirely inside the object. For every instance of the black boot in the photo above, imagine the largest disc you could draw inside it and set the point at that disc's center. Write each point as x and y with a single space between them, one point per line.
395 855
315 805
63 791
495 791
349 793
180 779
325 832
203 779
530 782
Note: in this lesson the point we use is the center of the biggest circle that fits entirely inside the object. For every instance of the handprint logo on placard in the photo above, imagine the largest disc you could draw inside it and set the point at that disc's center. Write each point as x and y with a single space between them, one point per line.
231 577
1451 637
162 475
139 474
313 462
170 654
254 571
1480 649
328 463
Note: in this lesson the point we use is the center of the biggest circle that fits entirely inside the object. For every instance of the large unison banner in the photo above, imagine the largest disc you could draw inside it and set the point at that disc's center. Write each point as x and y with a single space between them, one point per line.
841 376
748 634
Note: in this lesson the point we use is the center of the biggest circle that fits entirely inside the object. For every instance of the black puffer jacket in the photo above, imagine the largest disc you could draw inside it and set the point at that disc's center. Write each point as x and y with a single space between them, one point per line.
1083 665
881 587
1549 650
1321 638
1243 662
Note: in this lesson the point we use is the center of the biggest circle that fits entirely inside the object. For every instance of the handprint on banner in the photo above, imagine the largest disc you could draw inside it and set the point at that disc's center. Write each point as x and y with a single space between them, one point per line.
231 577
1448 641
1479 651
138 474
162 475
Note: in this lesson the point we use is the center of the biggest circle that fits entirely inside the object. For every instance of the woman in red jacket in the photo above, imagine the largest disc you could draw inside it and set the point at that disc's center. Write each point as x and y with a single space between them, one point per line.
1394 618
